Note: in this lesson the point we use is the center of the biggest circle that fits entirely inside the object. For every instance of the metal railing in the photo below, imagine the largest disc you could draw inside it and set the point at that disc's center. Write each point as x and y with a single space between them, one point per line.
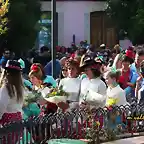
97 125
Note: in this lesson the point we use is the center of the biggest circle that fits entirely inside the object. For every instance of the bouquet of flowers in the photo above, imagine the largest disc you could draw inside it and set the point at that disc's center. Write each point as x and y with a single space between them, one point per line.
57 95
111 102
57 92
31 97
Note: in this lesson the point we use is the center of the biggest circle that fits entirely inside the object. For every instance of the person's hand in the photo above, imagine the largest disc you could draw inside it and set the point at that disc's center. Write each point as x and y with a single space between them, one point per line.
84 105
42 101
64 106
131 84
25 105
139 79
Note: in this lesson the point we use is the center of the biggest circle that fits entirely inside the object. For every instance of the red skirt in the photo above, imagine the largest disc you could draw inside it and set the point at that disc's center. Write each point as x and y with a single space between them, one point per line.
7 118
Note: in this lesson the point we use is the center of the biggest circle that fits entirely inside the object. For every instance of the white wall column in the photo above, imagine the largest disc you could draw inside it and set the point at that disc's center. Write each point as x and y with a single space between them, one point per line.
87 27
61 28
73 23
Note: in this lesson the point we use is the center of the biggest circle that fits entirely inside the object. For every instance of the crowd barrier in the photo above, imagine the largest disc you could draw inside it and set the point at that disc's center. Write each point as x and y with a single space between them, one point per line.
95 126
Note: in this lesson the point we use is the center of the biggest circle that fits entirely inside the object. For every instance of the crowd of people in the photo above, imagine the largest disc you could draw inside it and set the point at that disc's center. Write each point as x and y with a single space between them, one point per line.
92 78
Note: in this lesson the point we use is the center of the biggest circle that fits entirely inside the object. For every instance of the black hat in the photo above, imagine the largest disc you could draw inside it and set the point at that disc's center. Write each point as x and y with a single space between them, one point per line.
13 65
88 60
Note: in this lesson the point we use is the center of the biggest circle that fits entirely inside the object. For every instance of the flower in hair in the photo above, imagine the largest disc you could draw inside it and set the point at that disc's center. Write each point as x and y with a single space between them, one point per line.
130 54
34 68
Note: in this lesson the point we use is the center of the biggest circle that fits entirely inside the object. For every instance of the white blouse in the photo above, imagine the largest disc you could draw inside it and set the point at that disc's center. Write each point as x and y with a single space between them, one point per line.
72 86
96 85
7 104
118 94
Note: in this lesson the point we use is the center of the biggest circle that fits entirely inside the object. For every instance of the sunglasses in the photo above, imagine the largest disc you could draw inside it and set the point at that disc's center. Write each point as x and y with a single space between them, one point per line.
7 53
64 69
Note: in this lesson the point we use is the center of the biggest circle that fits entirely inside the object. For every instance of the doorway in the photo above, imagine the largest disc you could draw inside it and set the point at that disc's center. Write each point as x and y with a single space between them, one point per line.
101 29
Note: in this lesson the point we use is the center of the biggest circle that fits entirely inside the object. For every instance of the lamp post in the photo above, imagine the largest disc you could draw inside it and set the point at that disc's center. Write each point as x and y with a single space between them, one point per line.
53 37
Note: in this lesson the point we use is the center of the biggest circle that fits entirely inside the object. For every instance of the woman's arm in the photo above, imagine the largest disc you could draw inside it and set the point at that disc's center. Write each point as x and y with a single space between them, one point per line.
137 86
4 100
131 84
132 81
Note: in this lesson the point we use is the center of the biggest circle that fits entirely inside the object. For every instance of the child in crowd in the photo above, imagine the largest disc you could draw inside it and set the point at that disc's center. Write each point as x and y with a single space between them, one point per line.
115 94
140 85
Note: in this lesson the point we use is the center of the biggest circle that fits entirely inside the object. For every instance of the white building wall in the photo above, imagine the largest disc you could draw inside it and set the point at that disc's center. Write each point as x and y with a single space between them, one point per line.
74 18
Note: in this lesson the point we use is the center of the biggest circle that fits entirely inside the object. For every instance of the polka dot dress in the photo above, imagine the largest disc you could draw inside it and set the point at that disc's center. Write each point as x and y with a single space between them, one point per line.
7 118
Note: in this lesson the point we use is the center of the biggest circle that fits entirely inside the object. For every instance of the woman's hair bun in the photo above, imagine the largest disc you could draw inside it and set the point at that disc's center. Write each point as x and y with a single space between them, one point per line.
114 73
118 73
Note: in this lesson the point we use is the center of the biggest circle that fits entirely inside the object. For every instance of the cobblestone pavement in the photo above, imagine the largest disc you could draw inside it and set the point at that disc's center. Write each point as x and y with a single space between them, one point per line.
134 140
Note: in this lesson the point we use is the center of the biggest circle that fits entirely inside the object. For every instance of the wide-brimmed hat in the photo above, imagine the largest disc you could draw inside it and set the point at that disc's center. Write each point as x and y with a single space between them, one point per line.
13 65
90 61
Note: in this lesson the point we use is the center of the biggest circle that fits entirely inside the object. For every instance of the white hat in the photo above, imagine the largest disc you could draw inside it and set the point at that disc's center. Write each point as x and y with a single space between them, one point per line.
102 45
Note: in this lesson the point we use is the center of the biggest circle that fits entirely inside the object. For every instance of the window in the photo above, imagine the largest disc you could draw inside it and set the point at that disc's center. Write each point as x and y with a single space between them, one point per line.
45 23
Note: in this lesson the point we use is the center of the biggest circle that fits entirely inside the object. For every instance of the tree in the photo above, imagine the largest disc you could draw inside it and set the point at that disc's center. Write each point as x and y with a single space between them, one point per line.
23 16
128 16
137 34
3 19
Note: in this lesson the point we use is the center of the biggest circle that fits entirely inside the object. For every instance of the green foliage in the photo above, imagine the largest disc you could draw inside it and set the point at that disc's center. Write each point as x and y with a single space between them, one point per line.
4 6
128 15
58 92
23 15
32 97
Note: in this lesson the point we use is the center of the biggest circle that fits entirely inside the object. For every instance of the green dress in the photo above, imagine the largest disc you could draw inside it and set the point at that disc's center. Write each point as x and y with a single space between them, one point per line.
31 110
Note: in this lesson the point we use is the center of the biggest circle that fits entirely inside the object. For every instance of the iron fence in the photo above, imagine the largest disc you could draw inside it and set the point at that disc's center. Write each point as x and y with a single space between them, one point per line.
96 125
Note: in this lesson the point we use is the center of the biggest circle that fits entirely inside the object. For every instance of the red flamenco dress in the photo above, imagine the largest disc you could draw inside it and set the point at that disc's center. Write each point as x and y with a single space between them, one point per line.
125 75
124 78
9 112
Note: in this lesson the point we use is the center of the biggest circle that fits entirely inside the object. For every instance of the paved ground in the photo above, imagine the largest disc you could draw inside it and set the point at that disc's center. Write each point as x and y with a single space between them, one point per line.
134 140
